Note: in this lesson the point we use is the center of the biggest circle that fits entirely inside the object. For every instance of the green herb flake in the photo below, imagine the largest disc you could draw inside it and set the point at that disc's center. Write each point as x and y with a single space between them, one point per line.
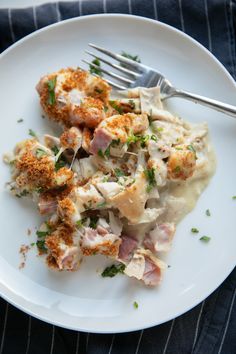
131 57
150 176
135 304
51 91
80 223
20 120
41 234
208 213
234 197
107 152
24 193
132 104
41 245
95 70
32 133
118 172
32 244
55 150
93 222
105 108
114 105
101 205
113 270
115 142
59 164
191 148
40 153
100 153
205 238
177 169
194 230
154 137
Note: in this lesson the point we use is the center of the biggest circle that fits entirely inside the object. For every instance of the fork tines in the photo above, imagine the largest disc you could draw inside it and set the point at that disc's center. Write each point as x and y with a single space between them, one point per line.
129 68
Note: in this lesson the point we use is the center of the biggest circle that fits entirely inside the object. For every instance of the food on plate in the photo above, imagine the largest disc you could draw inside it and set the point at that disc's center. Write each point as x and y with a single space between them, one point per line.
118 179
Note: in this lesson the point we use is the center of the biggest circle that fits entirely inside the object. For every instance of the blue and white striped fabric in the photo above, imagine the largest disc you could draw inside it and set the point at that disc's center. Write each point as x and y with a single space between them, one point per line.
211 326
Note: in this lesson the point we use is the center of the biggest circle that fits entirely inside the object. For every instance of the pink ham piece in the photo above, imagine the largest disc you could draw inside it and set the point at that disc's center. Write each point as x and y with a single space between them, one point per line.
146 267
127 247
69 258
160 239
47 206
152 273
99 241
117 127
101 141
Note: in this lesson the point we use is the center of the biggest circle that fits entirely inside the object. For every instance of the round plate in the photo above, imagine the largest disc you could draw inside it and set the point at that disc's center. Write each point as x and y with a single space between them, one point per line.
84 300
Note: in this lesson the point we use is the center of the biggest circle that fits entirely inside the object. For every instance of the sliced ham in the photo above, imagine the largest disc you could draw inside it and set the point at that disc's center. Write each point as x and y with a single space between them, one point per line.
127 247
146 267
160 239
69 258
117 128
47 206
99 241
101 141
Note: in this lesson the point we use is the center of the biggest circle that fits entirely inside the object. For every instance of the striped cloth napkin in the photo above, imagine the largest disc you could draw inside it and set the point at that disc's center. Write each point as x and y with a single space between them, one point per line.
208 328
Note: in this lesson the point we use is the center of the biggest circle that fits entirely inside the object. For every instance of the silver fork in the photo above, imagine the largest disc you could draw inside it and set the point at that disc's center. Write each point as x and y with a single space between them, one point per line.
136 74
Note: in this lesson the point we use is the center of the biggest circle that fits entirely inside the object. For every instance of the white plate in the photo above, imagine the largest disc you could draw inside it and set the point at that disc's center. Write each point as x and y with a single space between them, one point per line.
84 300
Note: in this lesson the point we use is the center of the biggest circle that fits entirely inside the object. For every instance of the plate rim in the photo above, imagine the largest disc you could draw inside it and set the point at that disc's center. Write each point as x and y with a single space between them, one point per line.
6 293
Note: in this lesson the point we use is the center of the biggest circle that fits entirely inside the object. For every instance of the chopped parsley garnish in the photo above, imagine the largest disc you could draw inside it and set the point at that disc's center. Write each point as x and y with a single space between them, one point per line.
51 91
208 213
131 57
191 148
22 194
118 172
42 233
177 169
55 149
114 105
154 137
100 153
194 230
234 197
93 69
132 104
41 240
106 153
105 108
93 222
113 270
20 120
32 133
105 179
61 161
41 245
115 142
80 223
59 164
150 176
32 244
132 139
40 153
101 205
205 238
135 304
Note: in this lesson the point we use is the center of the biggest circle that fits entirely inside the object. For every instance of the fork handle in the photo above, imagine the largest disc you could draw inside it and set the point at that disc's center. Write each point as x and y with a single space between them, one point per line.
209 102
